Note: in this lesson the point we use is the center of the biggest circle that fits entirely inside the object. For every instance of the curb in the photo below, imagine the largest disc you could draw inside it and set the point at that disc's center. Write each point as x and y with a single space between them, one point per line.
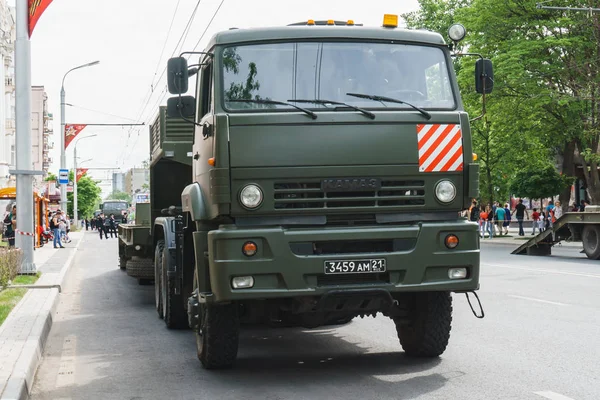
21 379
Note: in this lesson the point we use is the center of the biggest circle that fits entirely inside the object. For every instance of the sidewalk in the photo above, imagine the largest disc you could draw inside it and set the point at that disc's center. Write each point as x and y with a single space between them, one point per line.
513 237
24 333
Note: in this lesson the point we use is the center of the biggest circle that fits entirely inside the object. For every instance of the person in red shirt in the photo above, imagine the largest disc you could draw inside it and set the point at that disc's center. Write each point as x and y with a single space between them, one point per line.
536 220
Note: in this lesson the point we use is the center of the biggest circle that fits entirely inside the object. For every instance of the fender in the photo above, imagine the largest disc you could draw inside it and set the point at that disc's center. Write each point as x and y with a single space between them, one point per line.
167 226
192 201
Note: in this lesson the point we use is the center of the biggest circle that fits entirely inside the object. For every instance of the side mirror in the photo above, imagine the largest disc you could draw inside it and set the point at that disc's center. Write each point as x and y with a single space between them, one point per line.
181 107
177 75
484 76
102 206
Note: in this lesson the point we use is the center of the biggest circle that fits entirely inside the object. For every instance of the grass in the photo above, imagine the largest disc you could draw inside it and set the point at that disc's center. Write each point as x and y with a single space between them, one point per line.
10 297
8 300
26 279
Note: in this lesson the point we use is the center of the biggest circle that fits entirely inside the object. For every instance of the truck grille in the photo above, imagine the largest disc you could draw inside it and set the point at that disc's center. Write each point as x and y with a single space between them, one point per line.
353 279
309 195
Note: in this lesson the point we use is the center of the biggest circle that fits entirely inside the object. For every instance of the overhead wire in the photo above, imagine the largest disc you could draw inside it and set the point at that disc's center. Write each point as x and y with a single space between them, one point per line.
163 93
153 84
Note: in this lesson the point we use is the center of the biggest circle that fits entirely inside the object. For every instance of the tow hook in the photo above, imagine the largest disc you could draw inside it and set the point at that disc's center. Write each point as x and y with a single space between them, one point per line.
193 311
480 316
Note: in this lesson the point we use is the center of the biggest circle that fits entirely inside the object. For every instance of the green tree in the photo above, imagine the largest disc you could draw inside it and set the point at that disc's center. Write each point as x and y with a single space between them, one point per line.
51 177
544 89
88 194
118 195
539 183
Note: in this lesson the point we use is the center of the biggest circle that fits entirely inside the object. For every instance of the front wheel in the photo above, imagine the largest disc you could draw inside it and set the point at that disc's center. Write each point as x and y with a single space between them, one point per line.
591 241
217 336
428 330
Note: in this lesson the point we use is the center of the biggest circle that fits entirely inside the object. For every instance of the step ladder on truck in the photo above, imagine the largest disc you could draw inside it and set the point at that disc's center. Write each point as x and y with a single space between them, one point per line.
573 227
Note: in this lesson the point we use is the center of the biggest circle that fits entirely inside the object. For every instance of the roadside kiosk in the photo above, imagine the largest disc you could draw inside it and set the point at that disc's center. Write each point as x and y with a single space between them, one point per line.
40 210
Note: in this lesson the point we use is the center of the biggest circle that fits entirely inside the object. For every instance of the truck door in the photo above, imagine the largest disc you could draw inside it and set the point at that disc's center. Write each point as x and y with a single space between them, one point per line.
204 141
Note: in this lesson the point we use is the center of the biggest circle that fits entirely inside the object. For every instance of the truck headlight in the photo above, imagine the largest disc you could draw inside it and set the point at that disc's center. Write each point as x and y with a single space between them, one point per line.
445 191
251 196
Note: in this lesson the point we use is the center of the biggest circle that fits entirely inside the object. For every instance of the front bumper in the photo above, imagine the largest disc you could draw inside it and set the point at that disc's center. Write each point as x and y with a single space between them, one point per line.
284 267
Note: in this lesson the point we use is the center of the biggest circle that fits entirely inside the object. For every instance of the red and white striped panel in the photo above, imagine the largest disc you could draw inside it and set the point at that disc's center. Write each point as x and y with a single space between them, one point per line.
440 147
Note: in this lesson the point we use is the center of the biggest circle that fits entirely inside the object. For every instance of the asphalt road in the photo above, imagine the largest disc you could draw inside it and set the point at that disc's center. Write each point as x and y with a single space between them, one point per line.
540 339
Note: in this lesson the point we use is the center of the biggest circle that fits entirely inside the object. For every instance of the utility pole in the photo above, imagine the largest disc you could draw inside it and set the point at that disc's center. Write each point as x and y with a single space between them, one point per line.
23 170
63 157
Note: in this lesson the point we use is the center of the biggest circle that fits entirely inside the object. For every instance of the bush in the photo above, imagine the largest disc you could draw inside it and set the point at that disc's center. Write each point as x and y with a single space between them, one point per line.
10 263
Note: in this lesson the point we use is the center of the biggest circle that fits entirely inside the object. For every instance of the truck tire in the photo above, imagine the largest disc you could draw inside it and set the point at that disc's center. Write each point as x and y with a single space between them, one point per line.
141 268
428 331
590 236
217 336
174 314
158 253
123 263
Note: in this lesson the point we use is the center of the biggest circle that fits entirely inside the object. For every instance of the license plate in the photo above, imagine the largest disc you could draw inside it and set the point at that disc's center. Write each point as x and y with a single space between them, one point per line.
355 266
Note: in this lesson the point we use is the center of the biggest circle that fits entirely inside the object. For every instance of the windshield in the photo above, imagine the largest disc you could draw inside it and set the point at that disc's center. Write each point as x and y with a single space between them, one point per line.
114 208
330 70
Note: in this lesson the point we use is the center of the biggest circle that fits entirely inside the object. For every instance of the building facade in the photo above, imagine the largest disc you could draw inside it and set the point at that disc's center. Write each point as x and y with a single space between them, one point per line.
118 182
137 180
41 132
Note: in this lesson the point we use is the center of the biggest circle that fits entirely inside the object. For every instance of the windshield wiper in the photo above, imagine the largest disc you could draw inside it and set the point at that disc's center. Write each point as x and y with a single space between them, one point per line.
321 101
281 103
389 100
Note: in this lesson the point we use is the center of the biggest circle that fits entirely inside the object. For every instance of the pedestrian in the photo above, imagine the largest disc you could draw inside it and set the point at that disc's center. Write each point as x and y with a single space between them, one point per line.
10 226
535 216
549 214
112 226
474 212
489 223
87 224
582 205
482 221
507 220
500 216
93 223
558 212
100 225
55 226
520 211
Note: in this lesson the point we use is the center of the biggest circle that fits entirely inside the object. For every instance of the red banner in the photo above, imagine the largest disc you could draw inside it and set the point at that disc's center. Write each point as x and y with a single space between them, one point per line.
36 9
80 172
71 131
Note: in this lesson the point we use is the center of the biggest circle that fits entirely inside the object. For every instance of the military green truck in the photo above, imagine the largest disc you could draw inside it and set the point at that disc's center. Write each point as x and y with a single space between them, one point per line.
330 165
170 172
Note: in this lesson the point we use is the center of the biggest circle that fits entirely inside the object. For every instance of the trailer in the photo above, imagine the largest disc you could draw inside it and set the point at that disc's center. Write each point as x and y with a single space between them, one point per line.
170 172
572 227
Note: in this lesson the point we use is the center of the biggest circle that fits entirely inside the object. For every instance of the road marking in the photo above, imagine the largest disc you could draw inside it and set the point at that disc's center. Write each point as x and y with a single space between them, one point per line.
552 271
538 300
66 370
552 396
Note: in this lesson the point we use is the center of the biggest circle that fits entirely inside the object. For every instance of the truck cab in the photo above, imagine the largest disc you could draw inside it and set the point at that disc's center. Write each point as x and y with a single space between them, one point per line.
330 165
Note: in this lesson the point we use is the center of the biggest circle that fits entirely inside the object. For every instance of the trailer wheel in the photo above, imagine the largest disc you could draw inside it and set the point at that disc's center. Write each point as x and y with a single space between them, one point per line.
174 314
428 331
123 263
158 253
591 241
217 337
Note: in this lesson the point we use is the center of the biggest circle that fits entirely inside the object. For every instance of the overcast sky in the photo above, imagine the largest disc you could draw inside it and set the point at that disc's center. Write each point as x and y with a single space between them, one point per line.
127 37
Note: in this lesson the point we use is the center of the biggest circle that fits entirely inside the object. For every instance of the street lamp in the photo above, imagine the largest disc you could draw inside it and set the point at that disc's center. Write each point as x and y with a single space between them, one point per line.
63 158
75 213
